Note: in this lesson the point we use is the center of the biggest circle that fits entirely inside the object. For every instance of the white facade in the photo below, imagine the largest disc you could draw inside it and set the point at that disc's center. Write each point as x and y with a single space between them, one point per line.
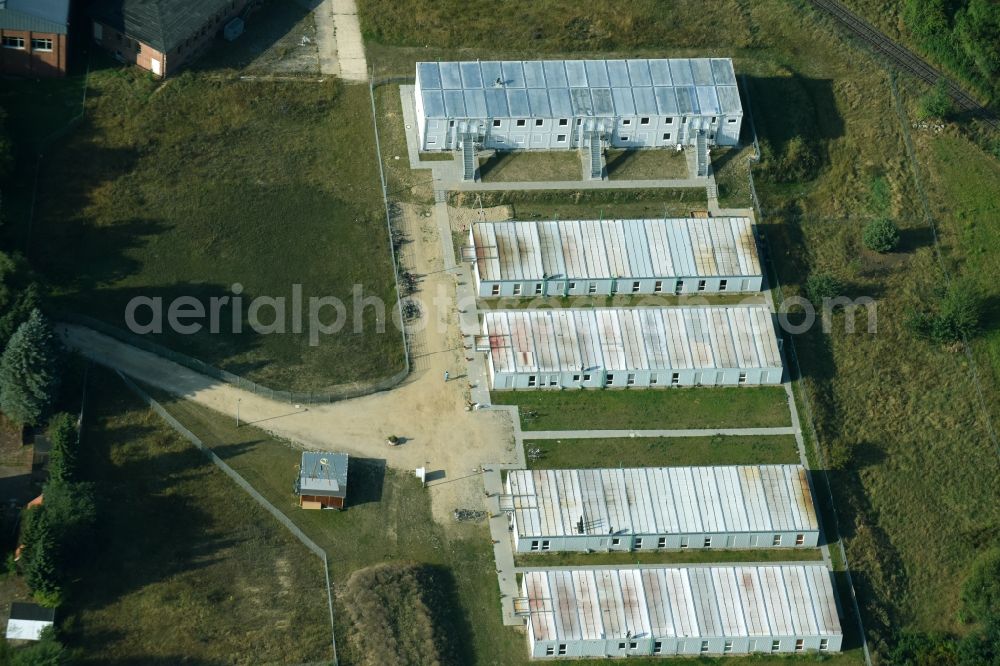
693 610
631 347
604 257
554 104
665 508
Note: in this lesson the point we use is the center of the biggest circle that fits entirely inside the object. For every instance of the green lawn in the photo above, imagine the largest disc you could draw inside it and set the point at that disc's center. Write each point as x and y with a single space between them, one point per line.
187 567
521 166
665 557
662 452
646 164
209 181
654 409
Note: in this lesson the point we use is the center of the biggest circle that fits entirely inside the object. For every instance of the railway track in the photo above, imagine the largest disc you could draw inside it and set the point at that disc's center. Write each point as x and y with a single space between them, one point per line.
903 58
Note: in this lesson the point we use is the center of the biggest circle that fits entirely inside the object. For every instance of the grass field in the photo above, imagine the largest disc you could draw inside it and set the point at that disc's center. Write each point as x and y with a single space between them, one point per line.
187 567
666 557
206 182
646 164
529 166
649 409
590 204
663 452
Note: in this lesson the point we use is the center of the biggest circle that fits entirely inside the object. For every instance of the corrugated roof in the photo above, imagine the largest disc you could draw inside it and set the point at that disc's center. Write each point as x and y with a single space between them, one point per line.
625 249
162 24
35 15
662 500
670 338
599 88
683 602
323 473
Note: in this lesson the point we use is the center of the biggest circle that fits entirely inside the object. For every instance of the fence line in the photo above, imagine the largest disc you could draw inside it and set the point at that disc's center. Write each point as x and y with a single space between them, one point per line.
805 397
250 490
388 228
332 394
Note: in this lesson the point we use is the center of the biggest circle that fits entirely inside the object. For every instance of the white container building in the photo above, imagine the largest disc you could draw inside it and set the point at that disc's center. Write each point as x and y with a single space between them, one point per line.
561 104
681 610
661 508
604 257
631 347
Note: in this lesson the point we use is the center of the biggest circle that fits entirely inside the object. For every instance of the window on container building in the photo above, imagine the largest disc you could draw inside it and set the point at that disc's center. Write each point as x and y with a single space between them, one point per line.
800 645
562 648
532 380
563 122
824 644
658 286
800 539
727 646
723 284
657 647
561 138
743 378
496 123
517 290
644 121
41 44
609 380
538 287
495 290
521 123
661 542
550 651
13 42
775 646
704 647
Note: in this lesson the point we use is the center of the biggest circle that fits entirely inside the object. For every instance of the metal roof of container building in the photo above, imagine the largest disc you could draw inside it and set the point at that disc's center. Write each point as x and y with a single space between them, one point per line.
623 249
662 500
683 602
323 473
563 88
630 339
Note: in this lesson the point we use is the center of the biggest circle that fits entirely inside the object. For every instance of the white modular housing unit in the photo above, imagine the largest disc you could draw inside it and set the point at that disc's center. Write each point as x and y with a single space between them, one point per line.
753 506
557 104
631 347
681 610
604 257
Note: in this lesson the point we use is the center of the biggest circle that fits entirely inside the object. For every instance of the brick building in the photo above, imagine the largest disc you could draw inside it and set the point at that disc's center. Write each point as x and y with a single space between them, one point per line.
161 35
33 37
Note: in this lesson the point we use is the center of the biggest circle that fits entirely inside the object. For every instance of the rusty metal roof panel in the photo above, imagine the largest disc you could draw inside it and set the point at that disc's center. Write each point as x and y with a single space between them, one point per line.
709 601
663 500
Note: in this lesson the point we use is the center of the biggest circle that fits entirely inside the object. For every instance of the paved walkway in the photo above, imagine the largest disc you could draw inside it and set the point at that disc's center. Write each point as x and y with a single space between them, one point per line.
341 48
611 434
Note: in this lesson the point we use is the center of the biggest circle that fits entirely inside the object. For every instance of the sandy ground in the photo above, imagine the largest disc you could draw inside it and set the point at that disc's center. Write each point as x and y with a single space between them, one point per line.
440 433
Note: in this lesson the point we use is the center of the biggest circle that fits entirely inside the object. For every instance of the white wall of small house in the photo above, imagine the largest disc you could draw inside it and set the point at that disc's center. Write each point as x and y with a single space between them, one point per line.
598 378
670 541
607 287
671 646
551 134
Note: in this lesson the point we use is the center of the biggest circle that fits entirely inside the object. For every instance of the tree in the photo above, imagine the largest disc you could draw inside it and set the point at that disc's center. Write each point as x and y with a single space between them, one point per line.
29 371
63 457
40 555
19 295
936 103
881 235
823 285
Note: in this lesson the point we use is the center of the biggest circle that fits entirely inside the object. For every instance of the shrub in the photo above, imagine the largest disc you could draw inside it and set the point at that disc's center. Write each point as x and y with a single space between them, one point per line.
881 235
981 590
63 458
957 316
936 103
823 285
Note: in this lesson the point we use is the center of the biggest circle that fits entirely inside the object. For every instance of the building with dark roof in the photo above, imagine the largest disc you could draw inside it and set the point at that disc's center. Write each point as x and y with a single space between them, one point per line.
27 621
322 482
161 35
33 37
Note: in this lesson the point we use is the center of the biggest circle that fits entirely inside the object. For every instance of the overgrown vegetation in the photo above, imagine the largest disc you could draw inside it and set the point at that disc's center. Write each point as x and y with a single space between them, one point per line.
405 605
955 316
936 102
963 34
182 564
588 204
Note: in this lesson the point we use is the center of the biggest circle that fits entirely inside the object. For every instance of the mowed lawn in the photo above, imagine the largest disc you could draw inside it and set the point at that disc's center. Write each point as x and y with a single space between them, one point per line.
654 409
187 188
662 452
187 568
